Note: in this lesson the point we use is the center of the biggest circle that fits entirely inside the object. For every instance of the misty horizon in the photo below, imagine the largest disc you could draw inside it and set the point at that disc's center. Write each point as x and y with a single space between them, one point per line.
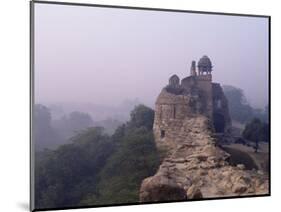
104 56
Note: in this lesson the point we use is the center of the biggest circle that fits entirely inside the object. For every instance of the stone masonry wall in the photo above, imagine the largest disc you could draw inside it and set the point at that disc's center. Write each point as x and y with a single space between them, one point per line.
196 168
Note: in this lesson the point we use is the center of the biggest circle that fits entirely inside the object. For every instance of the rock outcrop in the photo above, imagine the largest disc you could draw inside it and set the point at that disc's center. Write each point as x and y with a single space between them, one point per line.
200 168
188 119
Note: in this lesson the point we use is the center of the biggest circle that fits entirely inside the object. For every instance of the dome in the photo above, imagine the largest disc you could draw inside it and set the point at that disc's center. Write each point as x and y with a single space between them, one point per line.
205 62
204 65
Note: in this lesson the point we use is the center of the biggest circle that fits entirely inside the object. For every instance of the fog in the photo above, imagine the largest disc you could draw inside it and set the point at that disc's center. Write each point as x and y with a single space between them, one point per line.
105 56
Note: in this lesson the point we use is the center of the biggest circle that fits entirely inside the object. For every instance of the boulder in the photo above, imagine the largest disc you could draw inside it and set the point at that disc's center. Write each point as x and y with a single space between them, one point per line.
159 189
194 192
239 188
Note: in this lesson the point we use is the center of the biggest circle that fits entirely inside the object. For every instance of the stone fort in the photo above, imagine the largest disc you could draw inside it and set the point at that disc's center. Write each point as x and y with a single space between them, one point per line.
193 95
190 116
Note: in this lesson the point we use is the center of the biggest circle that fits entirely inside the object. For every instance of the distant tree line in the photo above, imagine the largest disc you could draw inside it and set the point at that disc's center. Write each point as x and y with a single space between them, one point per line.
44 135
240 109
256 120
51 133
96 168
70 124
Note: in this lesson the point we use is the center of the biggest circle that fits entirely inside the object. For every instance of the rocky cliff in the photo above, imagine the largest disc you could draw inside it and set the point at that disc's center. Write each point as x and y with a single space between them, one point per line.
189 116
196 168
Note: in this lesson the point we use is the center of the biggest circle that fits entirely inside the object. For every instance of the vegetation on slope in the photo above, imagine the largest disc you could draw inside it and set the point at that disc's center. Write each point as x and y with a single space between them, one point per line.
96 168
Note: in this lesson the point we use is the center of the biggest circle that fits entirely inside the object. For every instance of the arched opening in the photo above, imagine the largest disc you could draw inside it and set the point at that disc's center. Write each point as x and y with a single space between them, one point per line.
162 132
219 122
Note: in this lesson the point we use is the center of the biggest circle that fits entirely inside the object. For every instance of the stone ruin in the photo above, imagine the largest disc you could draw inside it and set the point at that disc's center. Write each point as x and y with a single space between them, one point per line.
196 94
188 115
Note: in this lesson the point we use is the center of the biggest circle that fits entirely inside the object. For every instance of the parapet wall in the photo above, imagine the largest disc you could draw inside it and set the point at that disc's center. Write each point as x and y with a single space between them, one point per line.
196 95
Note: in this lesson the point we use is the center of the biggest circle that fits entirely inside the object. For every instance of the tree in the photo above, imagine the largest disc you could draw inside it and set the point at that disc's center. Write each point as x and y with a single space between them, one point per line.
239 108
78 120
142 116
96 168
64 176
256 131
262 114
68 125
45 136
135 158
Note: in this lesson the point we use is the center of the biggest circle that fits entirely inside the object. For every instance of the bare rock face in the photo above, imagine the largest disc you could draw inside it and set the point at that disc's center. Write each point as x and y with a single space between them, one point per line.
161 188
189 116
194 167
198 167
194 192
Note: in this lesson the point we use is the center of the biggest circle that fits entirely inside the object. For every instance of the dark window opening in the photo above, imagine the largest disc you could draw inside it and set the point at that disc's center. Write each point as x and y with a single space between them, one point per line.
162 133
174 112
219 122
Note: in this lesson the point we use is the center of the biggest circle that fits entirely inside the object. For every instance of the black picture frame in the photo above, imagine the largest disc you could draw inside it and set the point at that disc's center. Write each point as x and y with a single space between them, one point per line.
33 2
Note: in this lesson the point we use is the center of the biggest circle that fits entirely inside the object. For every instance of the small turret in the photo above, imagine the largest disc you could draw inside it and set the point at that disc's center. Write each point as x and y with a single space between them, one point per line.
193 69
174 81
174 85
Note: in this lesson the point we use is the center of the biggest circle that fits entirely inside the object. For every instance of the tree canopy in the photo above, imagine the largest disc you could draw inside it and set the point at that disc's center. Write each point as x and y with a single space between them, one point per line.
256 130
96 168
69 125
45 136
239 108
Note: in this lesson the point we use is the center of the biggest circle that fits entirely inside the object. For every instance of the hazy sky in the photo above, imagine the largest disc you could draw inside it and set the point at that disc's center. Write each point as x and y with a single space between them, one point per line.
104 55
